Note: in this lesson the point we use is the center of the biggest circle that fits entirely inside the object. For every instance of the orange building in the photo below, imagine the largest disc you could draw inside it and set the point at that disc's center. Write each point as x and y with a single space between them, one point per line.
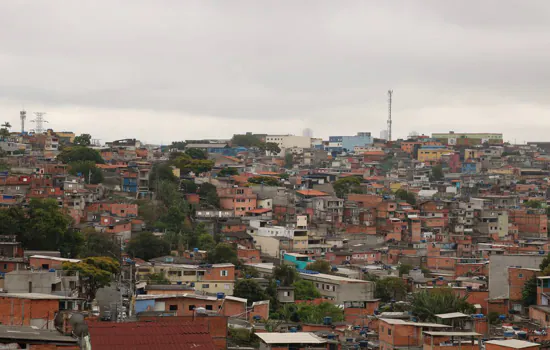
238 199
517 277
395 334
529 221
34 309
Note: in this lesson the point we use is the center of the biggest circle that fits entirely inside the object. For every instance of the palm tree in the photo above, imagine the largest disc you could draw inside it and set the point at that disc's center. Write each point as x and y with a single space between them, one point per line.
427 304
4 131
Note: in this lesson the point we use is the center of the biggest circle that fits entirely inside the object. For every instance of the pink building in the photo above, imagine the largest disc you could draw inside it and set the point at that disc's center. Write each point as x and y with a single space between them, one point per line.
238 199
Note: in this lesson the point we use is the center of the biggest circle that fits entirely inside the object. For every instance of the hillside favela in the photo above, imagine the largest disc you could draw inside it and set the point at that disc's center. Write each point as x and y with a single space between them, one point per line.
274 242
274 175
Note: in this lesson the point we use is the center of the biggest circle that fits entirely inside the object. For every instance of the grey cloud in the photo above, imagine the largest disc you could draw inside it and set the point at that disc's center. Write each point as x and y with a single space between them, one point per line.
310 61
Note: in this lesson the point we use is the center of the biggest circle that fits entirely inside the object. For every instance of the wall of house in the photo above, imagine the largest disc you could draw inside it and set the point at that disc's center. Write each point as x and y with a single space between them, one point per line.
28 312
498 272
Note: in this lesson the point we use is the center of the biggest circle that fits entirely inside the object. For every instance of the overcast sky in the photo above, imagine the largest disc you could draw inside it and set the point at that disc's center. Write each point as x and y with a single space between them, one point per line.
164 70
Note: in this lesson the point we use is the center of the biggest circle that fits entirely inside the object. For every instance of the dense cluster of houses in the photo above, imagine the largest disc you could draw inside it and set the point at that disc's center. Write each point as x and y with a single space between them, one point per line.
464 211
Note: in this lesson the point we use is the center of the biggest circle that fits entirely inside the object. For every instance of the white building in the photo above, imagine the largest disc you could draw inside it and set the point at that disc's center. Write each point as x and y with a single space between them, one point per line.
289 141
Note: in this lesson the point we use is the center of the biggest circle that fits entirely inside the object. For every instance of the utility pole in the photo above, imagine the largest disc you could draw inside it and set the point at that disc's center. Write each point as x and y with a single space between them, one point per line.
390 93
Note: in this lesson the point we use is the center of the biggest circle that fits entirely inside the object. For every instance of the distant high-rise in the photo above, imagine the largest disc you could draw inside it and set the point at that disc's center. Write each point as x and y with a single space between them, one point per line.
307 132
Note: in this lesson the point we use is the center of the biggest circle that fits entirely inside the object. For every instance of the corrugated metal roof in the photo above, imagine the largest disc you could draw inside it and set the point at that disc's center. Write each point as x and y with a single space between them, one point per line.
149 335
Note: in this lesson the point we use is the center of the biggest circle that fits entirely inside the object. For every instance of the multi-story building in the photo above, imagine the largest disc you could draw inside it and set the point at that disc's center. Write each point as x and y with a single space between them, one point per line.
240 200
208 278
289 141
468 139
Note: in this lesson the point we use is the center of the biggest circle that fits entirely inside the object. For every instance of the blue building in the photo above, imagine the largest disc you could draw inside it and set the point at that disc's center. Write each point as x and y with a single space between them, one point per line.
339 144
300 261
470 168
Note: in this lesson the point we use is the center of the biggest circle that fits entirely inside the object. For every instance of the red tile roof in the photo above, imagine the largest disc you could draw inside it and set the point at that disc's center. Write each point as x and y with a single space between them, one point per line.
259 211
149 335
313 193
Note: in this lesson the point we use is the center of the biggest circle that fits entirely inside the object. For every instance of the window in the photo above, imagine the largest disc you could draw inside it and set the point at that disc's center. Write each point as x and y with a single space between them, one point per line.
520 275
191 307
389 331
226 286
205 286
208 307
5 266
45 266
173 308
286 294
224 273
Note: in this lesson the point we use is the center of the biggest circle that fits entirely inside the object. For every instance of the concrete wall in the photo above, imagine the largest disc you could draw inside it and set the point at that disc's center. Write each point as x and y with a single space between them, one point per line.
498 271
18 282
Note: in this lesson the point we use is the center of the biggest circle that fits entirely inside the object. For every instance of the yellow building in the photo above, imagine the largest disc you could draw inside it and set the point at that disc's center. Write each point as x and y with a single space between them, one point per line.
66 135
431 154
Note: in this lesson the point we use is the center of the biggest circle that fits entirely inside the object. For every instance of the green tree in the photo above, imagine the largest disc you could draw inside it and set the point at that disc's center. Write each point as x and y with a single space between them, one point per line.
223 253
249 272
95 273
289 160
404 269
179 145
72 244
83 140
161 172
246 141
265 180
249 290
147 246
5 130
309 313
99 243
534 204
12 221
321 266
545 265
243 337
346 185
87 169
209 194
437 173
271 147
286 275
189 186
407 196
157 278
186 164
228 172
78 154
390 288
305 290
196 153
46 226
426 304
529 292
206 242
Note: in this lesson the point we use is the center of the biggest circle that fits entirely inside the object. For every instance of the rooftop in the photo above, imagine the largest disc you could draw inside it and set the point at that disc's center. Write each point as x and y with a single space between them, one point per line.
291 338
149 335
512 343
18 333
35 296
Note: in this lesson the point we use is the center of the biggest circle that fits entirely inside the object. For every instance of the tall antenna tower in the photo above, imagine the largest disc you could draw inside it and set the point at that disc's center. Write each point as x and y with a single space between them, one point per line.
39 122
23 116
390 93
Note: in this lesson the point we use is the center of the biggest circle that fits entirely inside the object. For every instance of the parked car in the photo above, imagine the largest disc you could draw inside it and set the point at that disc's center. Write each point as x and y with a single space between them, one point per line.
106 316
95 310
